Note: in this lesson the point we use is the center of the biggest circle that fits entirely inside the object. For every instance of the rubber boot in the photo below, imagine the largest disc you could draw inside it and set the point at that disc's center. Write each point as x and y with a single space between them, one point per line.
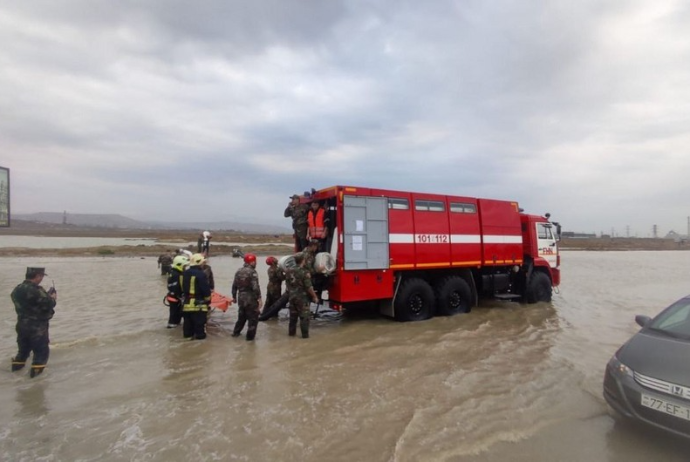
305 331
17 365
36 370
292 327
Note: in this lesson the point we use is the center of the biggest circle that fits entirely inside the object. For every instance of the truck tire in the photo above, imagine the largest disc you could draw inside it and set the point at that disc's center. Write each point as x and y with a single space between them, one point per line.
539 288
415 301
453 296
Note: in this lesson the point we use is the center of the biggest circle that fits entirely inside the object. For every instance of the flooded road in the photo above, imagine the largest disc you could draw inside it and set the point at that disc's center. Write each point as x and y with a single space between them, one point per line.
506 382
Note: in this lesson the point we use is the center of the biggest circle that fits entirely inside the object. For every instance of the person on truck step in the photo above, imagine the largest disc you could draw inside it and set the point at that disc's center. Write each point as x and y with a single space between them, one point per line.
317 220
298 212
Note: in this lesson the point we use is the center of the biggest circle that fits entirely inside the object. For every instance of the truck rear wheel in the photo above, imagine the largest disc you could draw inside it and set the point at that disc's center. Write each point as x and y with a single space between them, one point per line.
453 296
539 288
415 301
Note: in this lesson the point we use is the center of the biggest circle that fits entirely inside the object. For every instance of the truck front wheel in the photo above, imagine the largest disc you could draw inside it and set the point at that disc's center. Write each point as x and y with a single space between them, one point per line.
453 296
415 300
539 288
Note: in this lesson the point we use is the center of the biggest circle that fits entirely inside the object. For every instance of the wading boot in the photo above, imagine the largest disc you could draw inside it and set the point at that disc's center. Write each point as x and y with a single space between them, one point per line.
36 370
17 365
305 332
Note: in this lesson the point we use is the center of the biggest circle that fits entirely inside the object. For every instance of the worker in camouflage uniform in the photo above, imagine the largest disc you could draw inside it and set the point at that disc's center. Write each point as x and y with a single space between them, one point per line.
298 212
274 289
298 281
35 308
165 262
247 293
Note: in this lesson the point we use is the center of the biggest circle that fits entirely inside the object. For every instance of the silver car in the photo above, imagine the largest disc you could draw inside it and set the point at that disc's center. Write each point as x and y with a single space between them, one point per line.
648 379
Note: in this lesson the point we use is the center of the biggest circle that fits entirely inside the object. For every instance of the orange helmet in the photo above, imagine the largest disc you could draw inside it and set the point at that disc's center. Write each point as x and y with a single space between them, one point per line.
250 258
271 260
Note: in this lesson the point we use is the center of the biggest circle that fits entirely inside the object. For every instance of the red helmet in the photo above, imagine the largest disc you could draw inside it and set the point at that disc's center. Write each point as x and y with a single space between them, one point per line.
249 258
271 260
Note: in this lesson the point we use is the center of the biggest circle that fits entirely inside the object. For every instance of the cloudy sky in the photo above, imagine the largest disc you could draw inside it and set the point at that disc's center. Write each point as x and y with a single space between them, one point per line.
219 110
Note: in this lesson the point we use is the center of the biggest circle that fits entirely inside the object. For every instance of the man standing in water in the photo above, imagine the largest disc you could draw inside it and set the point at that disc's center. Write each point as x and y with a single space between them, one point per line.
35 307
165 263
197 296
298 281
274 288
247 293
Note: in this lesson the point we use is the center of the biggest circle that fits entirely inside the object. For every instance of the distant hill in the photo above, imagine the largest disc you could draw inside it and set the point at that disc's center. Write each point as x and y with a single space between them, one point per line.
115 221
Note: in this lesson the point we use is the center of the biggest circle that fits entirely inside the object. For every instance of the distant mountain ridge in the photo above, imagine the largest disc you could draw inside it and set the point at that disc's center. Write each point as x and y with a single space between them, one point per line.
122 222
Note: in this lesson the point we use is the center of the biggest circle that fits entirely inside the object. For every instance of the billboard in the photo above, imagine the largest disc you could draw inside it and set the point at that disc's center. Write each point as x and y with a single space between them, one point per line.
4 197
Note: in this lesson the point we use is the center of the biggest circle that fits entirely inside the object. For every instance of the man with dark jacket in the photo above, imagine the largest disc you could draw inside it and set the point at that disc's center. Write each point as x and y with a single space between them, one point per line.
35 308
197 296
174 297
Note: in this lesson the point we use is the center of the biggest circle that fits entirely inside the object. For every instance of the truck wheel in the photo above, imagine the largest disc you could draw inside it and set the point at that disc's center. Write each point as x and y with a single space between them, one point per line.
453 296
415 301
539 288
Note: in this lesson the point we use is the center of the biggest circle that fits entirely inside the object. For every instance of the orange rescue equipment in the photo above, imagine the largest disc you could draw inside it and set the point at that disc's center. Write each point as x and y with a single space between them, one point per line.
220 301
317 229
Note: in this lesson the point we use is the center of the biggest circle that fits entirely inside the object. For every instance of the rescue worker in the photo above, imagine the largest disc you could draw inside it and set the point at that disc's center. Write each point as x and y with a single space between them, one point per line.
174 297
165 262
318 280
246 292
298 212
197 296
274 289
298 282
35 308
208 271
317 225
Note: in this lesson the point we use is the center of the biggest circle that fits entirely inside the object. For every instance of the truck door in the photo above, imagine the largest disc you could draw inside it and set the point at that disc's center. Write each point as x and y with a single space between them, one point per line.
365 232
546 243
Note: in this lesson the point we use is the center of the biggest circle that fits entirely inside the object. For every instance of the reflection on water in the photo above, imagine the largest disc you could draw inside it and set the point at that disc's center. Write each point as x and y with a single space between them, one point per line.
504 382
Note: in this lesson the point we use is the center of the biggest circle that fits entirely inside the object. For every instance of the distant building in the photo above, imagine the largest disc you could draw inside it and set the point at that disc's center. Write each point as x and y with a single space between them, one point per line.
676 237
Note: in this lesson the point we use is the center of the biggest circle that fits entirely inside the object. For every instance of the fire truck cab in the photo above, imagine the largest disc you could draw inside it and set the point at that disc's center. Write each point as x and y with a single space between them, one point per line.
414 255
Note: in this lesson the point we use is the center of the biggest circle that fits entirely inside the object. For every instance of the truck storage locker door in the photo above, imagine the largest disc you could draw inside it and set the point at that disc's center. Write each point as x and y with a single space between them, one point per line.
365 232
501 232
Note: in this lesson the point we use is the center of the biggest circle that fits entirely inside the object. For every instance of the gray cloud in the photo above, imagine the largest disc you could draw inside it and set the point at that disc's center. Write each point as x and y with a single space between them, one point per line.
578 109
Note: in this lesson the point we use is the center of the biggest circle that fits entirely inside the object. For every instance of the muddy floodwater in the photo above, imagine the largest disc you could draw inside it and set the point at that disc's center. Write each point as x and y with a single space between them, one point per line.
506 382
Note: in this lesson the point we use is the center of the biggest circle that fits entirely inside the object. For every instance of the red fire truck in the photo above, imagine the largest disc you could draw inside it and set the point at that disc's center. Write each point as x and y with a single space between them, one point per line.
416 255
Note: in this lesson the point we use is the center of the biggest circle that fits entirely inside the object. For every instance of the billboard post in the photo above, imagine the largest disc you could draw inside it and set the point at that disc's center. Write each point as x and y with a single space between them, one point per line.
4 197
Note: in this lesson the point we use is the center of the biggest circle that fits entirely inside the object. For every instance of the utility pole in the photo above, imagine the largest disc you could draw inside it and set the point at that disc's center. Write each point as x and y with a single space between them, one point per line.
654 231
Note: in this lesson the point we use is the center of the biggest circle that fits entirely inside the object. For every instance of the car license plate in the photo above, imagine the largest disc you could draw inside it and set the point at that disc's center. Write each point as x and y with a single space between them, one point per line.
666 407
